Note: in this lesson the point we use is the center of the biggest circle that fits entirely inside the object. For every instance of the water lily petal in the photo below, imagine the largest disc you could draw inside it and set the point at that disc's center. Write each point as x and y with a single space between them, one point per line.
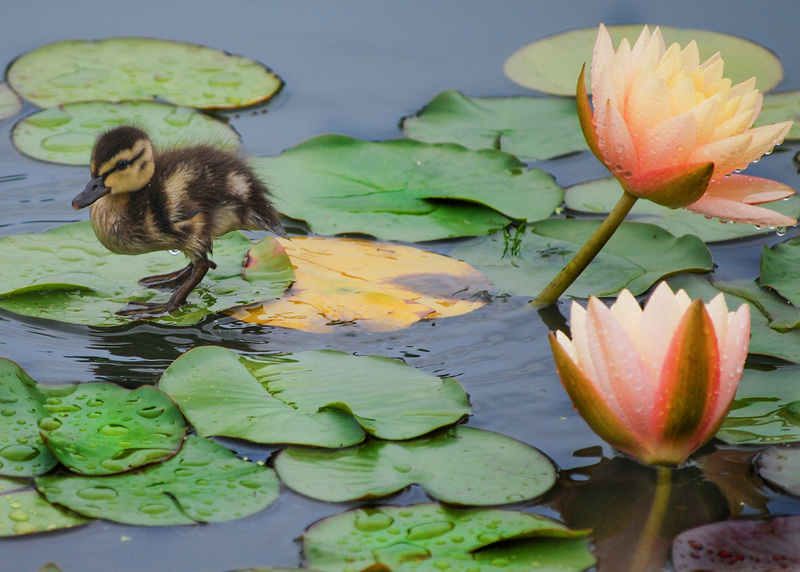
735 211
672 187
748 189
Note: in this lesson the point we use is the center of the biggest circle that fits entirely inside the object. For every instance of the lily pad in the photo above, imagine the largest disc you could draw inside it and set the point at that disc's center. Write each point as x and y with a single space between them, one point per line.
535 128
367 285
22 450
783 106
102 428
636 257
780 466
436 537
462 466
204 482
600 196
552 64
116 69
739 546
319 398
65 274
66 134
766 409
780 271
10 104
26 512
764 340
404 189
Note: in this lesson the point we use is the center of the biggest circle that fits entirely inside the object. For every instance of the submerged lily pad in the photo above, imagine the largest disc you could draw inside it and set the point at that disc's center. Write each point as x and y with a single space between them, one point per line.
65 274
10 104
636 257
535 128
23 453
780 466
462 465
128 428
204 482
766 409
404 189
783 106
26 512
367 285
764 340
320 398
552 64
116 69
600 196
739 546
66 134
403 538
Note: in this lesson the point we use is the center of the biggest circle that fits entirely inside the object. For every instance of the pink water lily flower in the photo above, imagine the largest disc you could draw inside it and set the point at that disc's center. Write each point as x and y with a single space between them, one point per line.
674 131
656 383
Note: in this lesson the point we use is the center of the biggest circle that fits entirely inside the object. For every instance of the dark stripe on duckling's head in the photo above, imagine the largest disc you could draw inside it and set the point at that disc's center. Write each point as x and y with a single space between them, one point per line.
123 159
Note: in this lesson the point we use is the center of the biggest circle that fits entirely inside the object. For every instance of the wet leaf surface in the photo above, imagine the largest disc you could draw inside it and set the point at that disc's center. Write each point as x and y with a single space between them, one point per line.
438 537
66 134
740 546
10 104
534 128
636 257
552 64
321 398
783 106
352 284
204 482
102 428
764 340
404 189
65 274
26 512
22 450
462 466
116 69
780 269
766 409
600 196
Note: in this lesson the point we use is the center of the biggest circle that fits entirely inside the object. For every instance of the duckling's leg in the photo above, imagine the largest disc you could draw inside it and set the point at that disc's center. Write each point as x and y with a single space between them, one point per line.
171 280
198 268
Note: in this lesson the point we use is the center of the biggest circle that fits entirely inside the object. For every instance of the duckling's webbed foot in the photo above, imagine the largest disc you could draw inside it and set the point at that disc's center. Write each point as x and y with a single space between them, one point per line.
168 281
194 274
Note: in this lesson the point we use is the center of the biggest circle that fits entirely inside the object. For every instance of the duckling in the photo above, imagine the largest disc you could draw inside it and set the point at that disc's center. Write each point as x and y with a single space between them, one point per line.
143 200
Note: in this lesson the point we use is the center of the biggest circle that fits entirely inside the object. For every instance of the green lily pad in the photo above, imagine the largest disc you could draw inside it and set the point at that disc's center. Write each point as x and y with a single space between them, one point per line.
535 128
116 69
600 196
10 104
65 274
763 545
26 512
766 409
778 107
552 64
204 482
66 134
7 484
779 269
436 537
462 466
320 398
780 466
128 428
404 189
22 450
636 257
764 340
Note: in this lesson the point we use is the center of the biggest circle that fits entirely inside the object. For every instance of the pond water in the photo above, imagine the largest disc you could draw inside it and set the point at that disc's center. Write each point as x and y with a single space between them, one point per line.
357 67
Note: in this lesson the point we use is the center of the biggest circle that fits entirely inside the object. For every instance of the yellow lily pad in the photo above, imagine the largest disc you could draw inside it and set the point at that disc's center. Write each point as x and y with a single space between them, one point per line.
368 285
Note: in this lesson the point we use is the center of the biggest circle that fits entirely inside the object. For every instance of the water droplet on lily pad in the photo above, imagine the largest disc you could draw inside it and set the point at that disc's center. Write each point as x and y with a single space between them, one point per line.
19 453
429 530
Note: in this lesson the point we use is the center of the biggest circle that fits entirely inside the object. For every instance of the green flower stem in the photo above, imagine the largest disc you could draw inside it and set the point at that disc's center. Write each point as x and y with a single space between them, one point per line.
647 549
586 254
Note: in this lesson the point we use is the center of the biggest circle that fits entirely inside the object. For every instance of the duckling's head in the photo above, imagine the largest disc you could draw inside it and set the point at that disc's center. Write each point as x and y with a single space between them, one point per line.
122 162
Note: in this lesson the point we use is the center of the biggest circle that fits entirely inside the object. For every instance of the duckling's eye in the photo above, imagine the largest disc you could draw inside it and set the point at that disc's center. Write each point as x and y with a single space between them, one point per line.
122 164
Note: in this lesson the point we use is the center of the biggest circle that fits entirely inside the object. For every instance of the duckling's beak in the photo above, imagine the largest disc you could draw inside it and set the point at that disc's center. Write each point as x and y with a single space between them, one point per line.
93 191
